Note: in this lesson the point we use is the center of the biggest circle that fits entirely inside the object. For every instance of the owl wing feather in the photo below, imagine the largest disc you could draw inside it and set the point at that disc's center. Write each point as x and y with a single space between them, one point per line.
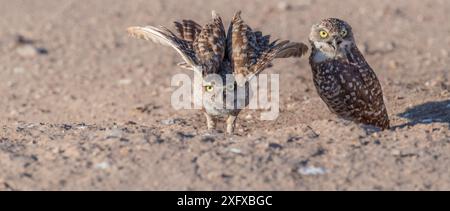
250 52
292 49
163 36
209 45
188 30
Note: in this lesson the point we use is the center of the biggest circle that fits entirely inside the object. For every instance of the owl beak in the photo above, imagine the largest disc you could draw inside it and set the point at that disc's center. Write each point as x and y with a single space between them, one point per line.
335 43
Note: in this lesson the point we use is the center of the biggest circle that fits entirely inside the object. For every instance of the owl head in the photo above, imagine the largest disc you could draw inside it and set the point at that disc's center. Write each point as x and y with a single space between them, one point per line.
332 36
222 91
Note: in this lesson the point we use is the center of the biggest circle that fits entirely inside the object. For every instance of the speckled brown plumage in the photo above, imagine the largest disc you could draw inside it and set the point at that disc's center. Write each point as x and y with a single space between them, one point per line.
343 78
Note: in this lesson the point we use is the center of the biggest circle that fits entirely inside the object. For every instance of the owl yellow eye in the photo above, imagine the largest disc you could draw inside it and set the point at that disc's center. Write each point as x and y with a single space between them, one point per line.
209 88
344 32
323 34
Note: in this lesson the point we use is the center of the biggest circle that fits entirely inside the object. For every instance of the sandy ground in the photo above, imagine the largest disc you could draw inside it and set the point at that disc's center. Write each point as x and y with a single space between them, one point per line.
84 107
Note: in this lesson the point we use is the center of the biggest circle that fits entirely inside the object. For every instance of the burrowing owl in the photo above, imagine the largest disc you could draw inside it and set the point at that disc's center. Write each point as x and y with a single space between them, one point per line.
343 78
209 51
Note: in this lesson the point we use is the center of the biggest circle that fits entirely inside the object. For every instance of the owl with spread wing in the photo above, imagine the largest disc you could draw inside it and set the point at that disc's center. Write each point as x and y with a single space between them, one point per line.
226 61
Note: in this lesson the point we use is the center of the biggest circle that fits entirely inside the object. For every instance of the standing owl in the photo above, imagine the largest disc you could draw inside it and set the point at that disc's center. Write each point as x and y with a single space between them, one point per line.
218 56
343 78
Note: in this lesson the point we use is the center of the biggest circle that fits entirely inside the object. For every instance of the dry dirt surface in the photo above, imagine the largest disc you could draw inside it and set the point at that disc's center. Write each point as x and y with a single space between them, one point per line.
85 107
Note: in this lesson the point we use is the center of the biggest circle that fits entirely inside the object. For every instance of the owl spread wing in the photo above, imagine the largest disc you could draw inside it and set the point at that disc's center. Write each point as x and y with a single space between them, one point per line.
163 36
209 45
251 52
363 93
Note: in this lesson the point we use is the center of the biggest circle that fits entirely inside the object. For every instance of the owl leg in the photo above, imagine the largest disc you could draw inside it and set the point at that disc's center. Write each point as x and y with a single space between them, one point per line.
211 122
231 124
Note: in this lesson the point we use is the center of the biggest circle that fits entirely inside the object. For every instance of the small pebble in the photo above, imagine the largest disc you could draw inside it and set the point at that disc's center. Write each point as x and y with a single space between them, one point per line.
169 121
235 150
393 64
114 133
125 81
102 165
444 53
27 51
395 152
284 6
18 70
312 171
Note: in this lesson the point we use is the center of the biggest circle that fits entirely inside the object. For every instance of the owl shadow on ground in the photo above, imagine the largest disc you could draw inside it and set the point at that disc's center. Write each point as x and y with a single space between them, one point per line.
431 112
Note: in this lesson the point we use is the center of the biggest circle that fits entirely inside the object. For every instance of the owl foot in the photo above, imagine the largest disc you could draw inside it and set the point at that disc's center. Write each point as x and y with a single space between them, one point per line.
211 122
231 124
